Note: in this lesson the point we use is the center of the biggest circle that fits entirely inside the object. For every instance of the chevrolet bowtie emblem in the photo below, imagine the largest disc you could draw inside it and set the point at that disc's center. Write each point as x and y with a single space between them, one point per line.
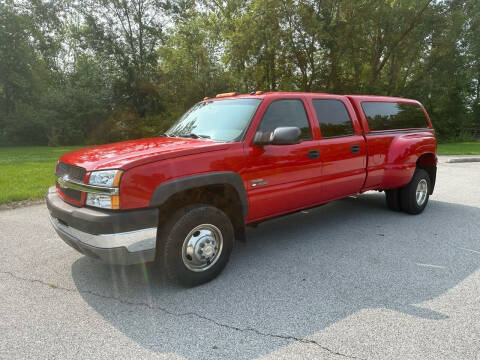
62 180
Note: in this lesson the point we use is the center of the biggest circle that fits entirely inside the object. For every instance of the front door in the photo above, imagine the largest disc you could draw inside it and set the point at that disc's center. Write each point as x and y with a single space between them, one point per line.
283 178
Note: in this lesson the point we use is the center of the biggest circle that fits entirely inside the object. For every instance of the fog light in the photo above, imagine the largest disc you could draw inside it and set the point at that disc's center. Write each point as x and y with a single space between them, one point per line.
103 201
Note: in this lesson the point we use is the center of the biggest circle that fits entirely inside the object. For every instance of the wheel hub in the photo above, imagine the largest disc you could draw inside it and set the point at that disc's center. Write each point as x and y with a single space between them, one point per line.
422 192
202 247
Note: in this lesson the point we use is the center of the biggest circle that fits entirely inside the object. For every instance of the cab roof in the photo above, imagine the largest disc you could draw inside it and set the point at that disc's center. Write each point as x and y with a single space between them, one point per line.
276 94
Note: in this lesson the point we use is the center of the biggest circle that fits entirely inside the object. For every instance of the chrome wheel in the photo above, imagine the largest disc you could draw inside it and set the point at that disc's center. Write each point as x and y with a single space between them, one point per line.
202 247
422 192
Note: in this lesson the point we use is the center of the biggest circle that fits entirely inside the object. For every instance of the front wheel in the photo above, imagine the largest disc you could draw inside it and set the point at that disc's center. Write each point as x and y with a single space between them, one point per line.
414 196
197 242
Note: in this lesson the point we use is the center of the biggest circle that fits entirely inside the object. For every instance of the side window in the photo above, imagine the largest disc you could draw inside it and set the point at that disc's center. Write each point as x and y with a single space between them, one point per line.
391 116
288 112
333 118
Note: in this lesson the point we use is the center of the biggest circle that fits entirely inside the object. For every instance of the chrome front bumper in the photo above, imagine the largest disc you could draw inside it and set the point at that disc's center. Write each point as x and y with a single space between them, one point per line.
122 248
115 237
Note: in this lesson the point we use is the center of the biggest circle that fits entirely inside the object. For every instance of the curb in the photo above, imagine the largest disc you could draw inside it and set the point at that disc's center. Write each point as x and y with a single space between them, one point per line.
464 160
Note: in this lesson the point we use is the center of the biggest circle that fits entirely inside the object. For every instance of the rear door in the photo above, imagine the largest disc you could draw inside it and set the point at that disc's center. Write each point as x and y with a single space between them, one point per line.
342 147
283 178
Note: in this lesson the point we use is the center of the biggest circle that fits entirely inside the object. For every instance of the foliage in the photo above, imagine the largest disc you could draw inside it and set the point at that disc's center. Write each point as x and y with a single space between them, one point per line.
93 71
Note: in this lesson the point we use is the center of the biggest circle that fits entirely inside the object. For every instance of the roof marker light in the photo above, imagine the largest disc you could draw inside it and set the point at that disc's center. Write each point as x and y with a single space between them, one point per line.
226 94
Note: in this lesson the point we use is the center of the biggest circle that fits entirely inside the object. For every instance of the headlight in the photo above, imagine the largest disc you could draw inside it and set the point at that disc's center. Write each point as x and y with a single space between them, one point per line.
103 201
105 177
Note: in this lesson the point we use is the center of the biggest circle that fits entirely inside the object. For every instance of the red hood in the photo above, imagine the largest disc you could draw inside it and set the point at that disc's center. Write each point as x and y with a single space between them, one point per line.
127 154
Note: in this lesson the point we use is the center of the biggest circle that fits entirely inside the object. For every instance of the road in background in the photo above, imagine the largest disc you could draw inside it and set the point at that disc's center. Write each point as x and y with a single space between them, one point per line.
350 279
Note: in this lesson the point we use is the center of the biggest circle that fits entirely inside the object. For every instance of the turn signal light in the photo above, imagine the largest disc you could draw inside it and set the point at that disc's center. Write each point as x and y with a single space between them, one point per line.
115 202
116 179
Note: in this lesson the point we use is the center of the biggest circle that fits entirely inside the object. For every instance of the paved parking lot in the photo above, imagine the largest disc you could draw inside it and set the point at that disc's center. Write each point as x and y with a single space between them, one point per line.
346 280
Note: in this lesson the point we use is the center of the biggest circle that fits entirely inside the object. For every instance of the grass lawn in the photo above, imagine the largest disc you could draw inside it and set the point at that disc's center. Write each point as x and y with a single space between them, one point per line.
464 148
27 172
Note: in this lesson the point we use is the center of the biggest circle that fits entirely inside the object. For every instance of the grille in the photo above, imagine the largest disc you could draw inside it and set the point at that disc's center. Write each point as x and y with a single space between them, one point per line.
75 173
73 194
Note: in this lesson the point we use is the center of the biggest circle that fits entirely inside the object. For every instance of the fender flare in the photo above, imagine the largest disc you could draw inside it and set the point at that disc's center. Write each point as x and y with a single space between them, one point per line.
164 191
431 168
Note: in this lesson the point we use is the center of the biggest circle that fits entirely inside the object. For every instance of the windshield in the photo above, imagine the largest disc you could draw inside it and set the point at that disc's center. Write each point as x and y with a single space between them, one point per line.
223 120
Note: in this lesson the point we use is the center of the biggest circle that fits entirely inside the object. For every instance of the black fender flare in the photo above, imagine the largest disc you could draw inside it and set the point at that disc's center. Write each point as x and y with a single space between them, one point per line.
164 191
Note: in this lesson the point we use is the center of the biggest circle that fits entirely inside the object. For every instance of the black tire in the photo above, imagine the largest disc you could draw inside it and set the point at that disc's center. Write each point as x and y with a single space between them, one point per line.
408 194
174 234
393 199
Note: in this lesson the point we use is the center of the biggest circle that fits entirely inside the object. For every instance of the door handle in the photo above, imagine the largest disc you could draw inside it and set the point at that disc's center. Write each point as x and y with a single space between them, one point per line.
313 154
355 149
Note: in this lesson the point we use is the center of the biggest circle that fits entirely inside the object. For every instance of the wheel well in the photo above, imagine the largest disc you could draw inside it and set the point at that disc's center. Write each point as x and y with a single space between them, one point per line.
428 162
222 196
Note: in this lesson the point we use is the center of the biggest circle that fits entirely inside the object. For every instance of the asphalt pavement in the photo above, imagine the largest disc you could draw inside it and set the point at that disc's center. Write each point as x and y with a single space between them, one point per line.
350 279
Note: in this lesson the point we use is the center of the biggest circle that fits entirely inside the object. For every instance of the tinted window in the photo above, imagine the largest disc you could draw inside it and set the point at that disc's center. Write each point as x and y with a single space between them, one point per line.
389 116
333 118
283 113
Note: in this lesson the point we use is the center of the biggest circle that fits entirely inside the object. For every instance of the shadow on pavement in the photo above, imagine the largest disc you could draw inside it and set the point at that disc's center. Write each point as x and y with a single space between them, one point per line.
295 276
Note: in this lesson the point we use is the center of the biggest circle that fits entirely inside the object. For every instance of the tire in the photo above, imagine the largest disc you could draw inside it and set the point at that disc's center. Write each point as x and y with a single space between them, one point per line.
393 199
410 201
192 232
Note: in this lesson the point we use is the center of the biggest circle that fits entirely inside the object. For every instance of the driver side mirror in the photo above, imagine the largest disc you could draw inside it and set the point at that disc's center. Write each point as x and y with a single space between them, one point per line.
280 136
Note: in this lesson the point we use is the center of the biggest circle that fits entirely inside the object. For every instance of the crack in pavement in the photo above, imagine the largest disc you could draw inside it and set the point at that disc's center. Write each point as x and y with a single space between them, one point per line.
183 314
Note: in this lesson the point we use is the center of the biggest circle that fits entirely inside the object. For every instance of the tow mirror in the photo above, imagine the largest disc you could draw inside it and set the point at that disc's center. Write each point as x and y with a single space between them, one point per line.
280 136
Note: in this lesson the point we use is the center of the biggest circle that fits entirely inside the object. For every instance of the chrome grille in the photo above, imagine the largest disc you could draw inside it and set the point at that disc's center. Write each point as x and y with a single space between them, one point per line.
74 173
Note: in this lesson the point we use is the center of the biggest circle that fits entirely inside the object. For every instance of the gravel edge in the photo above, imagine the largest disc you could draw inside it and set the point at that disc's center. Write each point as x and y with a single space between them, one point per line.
21 204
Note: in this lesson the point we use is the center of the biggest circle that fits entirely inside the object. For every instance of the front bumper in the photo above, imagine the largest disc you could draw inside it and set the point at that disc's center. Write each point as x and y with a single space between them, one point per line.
125 237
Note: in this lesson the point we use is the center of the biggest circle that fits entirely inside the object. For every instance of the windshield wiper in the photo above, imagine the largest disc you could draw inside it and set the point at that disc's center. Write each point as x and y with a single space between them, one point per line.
195 136
168 135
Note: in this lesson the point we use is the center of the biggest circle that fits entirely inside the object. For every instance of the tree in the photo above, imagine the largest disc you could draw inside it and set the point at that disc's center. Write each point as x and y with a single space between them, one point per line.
83 71
125 35
23 75
472 44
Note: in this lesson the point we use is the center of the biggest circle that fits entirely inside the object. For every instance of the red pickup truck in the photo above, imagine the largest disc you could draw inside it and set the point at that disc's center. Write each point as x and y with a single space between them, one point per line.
183 198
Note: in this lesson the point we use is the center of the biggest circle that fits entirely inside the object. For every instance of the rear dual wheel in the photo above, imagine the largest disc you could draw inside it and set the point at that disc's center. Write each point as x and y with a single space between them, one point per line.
412 198
393 199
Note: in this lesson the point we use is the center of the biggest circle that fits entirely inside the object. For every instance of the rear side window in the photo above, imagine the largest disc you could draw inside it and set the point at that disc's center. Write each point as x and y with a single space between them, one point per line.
390 116
333 118
284 113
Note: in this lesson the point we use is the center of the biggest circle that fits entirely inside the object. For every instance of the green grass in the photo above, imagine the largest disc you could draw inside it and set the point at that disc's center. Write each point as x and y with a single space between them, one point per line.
463 148
27 172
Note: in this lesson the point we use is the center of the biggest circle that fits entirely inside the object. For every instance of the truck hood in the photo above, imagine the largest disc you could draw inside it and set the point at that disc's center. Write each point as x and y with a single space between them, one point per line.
128 154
